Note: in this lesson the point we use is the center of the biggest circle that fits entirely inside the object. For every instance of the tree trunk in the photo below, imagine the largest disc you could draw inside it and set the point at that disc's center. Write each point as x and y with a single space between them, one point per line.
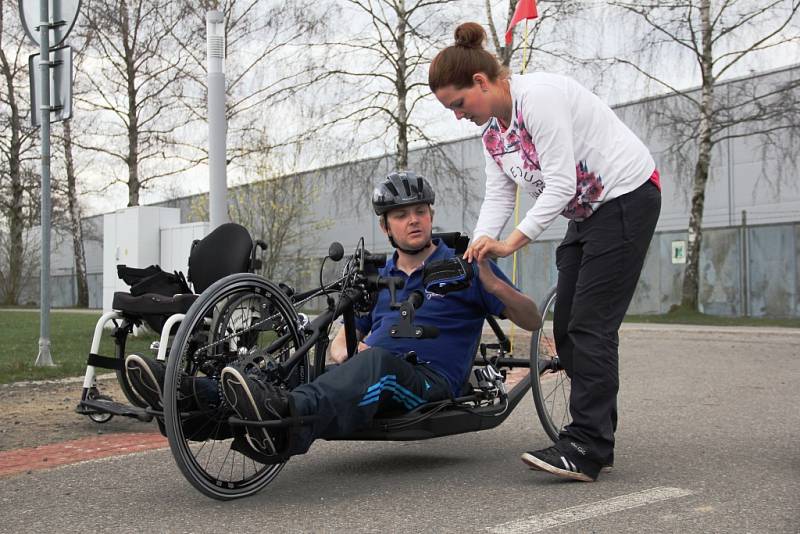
401 158
691 277
16 222
132 160
503 51
75 221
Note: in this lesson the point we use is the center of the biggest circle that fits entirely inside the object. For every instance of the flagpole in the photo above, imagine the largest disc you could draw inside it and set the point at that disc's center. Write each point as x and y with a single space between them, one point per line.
516 200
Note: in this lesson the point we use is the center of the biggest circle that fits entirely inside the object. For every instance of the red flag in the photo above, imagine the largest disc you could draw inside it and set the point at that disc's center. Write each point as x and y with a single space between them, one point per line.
526 9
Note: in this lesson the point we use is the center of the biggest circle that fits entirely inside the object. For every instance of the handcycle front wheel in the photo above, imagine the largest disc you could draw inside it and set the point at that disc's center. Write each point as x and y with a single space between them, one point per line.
550 384
240 317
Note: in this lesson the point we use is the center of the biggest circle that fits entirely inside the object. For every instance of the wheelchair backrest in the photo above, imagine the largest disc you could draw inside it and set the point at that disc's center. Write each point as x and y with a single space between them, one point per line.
224 251
454 240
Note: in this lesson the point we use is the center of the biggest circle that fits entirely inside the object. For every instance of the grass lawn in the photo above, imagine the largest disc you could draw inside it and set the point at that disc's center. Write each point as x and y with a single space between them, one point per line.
70 340
71 337
680 316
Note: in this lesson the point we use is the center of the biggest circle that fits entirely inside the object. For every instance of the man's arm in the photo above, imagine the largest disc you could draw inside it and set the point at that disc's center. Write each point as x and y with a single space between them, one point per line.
520 308
338 347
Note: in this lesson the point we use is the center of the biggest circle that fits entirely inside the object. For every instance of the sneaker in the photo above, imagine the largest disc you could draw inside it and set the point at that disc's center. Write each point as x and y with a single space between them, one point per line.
146 377
554 461
254 400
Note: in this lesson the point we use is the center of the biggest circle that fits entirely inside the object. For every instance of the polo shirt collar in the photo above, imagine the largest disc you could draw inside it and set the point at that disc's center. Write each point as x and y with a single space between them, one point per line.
439 254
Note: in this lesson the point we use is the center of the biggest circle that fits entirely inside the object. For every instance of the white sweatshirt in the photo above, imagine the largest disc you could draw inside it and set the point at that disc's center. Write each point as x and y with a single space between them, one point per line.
565 148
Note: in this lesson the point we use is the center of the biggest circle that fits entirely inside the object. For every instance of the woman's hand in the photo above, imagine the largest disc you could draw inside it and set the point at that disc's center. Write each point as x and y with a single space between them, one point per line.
485 247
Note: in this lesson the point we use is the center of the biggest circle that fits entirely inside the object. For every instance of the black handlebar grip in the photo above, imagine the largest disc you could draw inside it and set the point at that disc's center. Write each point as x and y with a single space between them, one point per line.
336 251
426 331
378 260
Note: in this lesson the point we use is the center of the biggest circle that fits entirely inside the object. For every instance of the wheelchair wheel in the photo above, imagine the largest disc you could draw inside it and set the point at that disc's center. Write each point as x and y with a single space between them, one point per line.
241 317
550 385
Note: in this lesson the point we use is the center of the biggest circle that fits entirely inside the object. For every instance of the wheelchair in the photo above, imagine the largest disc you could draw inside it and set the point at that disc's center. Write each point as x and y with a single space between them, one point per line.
246 319
161 302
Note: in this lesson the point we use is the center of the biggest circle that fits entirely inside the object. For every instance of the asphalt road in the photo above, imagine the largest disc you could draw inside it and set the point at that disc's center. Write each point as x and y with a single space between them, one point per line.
708 442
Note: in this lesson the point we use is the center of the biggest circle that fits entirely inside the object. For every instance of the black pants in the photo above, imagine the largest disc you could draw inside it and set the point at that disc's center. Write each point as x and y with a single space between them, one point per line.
348 396
599 263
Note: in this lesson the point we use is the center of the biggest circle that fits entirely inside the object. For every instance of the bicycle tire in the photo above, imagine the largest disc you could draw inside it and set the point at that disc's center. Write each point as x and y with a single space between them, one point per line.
550 384
233 475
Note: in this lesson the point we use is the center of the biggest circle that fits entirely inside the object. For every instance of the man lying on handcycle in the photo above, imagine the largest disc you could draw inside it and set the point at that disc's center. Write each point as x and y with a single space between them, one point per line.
388 373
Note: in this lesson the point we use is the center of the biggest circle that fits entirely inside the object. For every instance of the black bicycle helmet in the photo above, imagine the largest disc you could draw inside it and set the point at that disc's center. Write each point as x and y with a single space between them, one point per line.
401 188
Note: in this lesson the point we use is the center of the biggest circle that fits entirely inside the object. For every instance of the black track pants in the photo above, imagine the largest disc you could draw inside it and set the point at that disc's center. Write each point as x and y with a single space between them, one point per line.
347 397
599 263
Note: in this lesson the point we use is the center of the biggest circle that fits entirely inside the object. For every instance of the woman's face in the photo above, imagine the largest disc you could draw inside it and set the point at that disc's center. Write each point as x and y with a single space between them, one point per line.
471 103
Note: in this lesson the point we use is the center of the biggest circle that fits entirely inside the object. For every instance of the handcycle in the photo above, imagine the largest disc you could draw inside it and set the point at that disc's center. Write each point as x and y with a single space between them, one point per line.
247 319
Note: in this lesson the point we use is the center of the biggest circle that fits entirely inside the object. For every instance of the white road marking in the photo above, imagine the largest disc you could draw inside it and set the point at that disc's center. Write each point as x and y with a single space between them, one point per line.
541 522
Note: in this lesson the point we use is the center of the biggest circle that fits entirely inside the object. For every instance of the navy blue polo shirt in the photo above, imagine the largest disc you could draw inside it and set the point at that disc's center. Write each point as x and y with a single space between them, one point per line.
458 315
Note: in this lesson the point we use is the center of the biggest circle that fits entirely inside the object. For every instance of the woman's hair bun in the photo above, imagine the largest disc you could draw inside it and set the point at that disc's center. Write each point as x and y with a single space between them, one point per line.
470 35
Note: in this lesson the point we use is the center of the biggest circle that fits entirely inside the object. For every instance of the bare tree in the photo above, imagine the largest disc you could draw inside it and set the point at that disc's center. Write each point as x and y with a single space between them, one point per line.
717 38
383 69
17 140
134 71
74 218
277 209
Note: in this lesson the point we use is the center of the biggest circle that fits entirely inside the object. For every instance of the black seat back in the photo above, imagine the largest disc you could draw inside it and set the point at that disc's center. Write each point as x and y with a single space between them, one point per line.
224 251
454 240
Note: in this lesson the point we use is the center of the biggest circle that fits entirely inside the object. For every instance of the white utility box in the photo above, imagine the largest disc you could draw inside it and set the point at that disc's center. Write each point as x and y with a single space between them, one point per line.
176 243
132 236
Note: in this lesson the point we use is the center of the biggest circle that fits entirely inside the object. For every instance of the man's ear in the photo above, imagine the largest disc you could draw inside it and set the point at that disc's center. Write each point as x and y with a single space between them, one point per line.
382 221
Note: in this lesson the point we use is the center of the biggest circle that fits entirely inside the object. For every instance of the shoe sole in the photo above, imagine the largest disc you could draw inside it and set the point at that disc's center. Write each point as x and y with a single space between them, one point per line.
235 389
605 469
143 381
541 465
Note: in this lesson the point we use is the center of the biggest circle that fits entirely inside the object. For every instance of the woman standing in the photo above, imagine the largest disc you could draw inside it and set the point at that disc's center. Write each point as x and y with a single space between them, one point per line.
560 144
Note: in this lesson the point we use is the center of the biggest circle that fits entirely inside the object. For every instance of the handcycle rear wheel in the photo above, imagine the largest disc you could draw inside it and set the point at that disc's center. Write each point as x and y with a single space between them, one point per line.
236 318
550 384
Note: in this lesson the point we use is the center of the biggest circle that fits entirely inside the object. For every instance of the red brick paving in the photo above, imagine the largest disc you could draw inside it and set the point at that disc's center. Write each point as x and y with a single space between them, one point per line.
68 452
18 461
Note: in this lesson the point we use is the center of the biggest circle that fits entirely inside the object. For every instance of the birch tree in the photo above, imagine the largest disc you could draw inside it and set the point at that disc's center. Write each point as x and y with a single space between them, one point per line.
134 71
17 140
717 37
383 66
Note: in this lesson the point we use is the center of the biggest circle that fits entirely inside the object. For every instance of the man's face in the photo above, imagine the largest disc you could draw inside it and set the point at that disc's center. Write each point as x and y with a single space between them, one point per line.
410 226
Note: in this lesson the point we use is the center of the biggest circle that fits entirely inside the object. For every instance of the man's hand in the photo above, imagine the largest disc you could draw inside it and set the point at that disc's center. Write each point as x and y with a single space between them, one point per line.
339 353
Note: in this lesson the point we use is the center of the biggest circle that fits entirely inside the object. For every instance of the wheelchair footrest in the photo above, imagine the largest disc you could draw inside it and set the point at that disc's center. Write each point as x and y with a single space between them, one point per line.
92 406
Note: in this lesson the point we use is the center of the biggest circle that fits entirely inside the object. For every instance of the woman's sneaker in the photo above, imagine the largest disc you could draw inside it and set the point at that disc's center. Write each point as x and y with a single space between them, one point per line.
146 376
255 400
554 461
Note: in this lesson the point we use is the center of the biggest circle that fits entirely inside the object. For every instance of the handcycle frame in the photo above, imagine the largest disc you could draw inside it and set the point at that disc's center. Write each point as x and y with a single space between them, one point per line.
247 306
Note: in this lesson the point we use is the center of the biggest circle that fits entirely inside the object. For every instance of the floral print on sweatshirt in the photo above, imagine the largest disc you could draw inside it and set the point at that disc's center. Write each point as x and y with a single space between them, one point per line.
589 185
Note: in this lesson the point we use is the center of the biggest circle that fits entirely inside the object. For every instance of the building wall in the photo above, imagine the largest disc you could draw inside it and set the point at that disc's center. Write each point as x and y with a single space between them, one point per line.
743 271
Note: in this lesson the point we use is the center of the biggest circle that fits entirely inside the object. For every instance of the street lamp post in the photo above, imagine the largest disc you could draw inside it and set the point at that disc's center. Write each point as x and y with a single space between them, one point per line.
217 124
